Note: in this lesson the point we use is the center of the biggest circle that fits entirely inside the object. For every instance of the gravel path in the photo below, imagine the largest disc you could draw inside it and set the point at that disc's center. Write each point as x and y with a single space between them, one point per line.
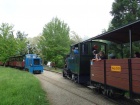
62 91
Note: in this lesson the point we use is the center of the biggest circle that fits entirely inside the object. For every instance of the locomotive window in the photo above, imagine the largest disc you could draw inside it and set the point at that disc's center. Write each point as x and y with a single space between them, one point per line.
84 49
36 62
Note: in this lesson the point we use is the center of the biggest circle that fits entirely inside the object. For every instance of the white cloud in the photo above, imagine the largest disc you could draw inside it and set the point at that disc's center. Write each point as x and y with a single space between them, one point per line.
85 17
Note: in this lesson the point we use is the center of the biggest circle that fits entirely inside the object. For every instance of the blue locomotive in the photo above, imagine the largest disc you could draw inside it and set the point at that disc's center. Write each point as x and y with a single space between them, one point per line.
33 63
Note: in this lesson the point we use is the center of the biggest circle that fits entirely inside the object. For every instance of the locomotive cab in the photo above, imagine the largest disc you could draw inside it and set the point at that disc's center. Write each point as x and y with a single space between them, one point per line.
78 62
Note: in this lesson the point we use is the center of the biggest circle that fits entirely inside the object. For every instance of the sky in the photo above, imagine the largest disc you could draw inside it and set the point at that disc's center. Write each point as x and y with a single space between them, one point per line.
85 17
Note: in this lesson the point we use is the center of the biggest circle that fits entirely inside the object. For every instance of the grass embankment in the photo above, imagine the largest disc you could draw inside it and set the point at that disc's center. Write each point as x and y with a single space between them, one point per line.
58 70
20 88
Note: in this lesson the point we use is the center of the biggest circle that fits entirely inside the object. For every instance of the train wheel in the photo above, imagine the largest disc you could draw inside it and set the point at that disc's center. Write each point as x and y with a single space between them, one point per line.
104 92
122 95
98 90
72 77
111 93
76 79
107 92
64 75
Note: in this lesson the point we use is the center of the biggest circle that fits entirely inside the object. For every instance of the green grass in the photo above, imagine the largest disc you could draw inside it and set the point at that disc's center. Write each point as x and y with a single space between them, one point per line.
20 88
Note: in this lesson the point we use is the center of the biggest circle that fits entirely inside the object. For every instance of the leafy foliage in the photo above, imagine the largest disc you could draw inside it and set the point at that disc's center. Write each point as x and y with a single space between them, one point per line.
33 43
74 38
21 43
55 41
124 12
115 49
10 46
7 42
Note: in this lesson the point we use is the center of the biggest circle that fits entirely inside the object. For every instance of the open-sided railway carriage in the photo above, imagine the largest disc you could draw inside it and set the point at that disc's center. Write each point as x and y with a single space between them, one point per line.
110 76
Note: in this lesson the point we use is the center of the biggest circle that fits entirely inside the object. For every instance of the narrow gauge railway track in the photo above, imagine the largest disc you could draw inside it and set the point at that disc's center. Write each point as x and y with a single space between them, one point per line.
95 99
122 101
54 82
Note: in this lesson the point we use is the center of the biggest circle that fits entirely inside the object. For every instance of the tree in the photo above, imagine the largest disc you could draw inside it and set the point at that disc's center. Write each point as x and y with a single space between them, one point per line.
104 30
34 42
42 48
21 36
21 43
124 12
7 42
55 41
74 38
11 46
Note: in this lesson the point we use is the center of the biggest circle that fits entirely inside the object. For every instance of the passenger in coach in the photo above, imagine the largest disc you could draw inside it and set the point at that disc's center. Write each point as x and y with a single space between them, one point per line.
95 47
136 55
112 56
101 56
95 52
95 55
